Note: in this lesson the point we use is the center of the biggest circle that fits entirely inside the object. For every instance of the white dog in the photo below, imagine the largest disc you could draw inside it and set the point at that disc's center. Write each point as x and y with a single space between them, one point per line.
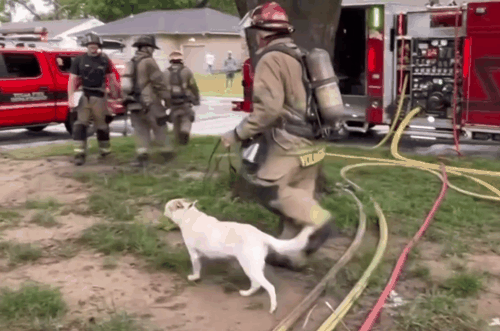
206 236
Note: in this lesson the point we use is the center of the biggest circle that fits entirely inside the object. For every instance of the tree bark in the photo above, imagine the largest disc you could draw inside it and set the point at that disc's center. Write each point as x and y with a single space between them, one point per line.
315 21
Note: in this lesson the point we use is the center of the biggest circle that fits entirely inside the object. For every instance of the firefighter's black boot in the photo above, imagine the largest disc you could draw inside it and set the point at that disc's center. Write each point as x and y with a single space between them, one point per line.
319 237
79 159
103 142
80 138
141 161
288 230
167 155
183 138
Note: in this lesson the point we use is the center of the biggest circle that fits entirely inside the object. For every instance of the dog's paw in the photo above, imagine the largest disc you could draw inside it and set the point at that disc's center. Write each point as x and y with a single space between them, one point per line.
193 277
273 309
246 293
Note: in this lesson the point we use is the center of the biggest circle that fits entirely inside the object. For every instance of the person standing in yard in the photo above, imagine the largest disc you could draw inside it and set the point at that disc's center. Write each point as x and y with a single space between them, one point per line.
210 59
92 68
280 181
230 67
184 94
151 88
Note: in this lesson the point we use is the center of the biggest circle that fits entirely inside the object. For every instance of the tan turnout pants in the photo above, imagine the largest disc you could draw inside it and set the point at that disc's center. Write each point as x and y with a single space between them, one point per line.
95 108
144 124
182 119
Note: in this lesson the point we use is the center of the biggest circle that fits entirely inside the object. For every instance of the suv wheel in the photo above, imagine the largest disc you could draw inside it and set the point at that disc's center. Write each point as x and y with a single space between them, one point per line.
36 128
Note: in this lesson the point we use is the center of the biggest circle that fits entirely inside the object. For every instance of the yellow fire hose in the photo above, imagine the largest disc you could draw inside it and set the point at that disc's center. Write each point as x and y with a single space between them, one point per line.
343 308
348 301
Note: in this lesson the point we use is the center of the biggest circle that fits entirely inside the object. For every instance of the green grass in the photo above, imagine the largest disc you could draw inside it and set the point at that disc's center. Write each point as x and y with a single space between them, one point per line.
8 217
405 195
464 284
44 218
18 253
45 204
118 322
31 304
437 311
138 239
215 85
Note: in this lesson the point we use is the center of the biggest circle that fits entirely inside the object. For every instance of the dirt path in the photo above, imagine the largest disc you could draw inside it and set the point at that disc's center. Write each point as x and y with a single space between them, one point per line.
93 288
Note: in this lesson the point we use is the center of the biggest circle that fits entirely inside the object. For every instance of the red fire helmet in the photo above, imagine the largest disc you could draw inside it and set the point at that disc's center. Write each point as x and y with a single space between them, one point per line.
269 16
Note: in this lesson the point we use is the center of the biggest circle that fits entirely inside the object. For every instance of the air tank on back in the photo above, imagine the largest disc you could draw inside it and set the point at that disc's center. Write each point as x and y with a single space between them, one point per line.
325 86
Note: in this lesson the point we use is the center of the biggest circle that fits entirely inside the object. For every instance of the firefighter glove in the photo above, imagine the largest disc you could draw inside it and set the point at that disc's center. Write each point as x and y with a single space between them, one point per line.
229 138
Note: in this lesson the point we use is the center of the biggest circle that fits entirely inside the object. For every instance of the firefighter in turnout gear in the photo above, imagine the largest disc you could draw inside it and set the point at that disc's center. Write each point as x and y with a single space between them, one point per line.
92 68
184 94
152 89
282 181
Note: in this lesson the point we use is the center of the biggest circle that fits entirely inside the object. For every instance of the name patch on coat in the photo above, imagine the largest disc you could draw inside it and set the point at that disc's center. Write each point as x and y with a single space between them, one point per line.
309 159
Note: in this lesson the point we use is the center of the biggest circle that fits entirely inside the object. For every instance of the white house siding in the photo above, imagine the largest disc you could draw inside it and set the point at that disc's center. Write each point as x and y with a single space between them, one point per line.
218 45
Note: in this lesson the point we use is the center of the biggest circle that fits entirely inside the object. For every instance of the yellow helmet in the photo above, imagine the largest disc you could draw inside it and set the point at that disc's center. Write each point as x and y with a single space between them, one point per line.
176 56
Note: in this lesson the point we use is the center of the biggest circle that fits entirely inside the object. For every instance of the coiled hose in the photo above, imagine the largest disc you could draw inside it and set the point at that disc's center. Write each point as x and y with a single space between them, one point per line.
340 312
346 304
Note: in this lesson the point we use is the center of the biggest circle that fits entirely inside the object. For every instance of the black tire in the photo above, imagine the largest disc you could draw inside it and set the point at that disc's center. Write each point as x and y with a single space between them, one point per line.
36 128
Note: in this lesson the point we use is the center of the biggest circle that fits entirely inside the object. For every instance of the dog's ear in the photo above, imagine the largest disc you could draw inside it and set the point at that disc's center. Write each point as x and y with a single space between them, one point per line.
192 204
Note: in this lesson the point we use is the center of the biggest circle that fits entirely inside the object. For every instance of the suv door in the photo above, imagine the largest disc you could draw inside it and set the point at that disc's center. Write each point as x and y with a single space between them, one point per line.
26 88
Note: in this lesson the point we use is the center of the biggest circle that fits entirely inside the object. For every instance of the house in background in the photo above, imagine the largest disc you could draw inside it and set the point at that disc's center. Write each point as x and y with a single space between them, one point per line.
59 30
193 31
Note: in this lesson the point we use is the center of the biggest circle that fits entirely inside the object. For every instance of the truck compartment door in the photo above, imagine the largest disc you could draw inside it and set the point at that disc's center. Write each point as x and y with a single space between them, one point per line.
482 65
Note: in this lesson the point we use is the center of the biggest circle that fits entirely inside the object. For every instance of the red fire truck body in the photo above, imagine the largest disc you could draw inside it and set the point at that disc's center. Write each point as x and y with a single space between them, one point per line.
34 81
451 55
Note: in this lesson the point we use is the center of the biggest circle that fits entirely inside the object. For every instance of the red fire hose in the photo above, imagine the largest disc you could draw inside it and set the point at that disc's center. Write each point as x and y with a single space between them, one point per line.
370 320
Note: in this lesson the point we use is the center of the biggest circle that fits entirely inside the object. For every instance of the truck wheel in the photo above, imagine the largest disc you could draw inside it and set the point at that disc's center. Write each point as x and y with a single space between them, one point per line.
36 128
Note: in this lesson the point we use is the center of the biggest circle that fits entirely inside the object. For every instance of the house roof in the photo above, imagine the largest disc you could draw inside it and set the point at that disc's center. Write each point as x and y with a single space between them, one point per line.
54 27
182 21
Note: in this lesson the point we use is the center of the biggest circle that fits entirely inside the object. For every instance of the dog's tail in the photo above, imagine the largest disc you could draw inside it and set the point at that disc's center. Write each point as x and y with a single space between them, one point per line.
291 246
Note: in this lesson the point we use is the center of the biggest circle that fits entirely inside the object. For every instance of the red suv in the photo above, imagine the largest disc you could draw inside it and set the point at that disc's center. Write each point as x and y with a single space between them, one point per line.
34 81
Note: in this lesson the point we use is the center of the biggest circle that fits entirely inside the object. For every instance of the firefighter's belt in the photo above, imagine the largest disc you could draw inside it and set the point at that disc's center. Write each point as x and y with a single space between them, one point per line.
309 159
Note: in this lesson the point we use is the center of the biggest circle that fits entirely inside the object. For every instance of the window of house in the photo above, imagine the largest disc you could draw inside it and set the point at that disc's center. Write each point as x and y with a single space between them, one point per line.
21 65
64 62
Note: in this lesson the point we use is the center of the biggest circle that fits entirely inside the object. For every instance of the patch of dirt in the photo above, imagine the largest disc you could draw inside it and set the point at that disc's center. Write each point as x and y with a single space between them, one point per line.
24 180
92 291
70 227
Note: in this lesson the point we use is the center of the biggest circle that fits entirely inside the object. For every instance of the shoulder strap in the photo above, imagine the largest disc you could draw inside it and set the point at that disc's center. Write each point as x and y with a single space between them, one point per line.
299 54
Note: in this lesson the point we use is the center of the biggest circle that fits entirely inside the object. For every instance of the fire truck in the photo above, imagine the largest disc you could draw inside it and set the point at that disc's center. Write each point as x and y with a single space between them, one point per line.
34 78
450 55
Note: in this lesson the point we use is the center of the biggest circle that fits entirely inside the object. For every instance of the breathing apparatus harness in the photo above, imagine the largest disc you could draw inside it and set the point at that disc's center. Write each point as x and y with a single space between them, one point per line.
312 125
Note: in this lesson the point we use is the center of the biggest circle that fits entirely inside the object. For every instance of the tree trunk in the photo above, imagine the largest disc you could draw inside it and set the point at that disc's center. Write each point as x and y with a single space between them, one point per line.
315 21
